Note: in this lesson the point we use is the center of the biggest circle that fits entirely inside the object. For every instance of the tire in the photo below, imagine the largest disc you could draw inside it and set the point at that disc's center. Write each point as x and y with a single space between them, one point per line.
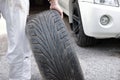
77 27
52 49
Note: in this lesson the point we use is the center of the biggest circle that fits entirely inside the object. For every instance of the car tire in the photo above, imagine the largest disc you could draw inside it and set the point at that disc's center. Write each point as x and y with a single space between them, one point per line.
52 48
77 27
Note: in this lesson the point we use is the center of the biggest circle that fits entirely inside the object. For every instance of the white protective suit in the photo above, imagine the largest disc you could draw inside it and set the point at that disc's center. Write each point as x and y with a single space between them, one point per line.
15 12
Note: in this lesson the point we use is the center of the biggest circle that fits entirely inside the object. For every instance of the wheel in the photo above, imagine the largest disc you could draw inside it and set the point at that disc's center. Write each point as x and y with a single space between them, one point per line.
77 28
52 49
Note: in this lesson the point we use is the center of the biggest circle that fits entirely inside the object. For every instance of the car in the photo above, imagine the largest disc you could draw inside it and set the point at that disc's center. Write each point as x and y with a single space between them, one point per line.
91 20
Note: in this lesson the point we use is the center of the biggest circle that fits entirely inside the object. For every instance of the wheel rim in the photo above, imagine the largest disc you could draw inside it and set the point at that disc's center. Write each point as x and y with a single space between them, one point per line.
76 20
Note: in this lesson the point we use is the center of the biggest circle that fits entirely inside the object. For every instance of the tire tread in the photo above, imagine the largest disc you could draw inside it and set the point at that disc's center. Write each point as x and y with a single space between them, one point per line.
52 49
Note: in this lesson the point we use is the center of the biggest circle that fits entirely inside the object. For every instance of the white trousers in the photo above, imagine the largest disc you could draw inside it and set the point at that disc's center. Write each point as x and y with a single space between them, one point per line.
15 12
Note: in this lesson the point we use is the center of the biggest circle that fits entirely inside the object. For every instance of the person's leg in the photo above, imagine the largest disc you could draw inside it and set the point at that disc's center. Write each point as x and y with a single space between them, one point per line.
15 12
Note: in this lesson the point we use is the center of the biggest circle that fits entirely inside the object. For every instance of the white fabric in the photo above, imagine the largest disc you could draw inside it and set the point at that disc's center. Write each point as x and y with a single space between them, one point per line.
15 12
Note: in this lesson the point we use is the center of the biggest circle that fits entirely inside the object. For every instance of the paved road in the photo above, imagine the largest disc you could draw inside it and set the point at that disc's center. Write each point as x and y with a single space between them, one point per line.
101 62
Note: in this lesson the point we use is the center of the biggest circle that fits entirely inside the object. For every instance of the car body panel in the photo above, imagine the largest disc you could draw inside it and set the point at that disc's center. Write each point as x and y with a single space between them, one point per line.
91 14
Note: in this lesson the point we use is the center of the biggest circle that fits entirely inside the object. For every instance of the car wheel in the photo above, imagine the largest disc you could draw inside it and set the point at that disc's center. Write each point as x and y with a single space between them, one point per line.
77 27
52 48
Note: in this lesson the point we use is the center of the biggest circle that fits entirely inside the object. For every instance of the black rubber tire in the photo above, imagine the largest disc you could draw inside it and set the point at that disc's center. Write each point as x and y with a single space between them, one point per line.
52 48
82 39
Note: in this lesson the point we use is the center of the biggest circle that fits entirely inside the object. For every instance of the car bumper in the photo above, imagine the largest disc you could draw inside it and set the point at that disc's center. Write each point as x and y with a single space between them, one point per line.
91 14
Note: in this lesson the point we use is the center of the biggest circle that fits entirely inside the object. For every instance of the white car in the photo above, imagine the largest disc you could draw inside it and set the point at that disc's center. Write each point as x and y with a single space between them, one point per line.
93 19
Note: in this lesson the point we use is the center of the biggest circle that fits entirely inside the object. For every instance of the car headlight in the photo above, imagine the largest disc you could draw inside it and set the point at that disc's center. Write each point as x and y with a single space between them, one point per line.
108 2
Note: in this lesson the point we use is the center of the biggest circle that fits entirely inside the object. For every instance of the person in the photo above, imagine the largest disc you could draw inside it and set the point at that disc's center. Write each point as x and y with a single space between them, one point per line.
15 13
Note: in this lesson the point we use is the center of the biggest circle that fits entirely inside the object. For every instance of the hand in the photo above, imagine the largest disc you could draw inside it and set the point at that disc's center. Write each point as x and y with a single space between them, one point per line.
54 5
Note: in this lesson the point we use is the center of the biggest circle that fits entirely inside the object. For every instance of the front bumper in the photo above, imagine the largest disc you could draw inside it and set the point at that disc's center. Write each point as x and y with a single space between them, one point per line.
91 14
